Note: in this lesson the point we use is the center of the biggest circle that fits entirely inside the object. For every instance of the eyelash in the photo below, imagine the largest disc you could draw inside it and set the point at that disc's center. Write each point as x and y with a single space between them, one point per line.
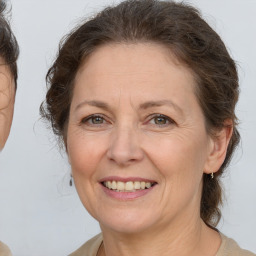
153 117
167 119
86 120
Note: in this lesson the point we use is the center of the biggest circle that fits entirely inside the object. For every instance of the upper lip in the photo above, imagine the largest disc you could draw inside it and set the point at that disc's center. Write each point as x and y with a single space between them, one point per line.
126 179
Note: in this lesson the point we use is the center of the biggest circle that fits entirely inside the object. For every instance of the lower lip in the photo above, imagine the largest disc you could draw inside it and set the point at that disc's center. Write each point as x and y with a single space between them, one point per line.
127 195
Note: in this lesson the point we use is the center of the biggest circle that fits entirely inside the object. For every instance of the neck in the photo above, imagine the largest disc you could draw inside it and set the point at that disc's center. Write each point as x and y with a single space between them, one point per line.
183 239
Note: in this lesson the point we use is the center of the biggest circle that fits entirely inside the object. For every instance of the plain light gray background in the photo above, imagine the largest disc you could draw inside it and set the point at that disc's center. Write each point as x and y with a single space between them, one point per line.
40 214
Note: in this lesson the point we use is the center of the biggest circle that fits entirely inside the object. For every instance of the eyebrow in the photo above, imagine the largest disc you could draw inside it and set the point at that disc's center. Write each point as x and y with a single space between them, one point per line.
152 104
145 105
94 103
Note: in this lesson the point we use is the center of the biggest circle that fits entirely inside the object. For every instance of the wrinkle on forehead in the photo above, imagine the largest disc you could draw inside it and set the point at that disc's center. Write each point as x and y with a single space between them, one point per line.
119 65
168 55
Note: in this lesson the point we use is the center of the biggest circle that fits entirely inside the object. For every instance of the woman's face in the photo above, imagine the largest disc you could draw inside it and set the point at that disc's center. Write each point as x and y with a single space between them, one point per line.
7 95
136 138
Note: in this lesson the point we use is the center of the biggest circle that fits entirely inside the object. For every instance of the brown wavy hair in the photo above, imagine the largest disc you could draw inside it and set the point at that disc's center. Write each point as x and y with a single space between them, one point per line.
9 49
177 26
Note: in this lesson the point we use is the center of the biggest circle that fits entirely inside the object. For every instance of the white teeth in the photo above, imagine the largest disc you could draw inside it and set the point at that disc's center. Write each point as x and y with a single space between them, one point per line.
109 183
120 185
136 185
148 185
113 186
127 186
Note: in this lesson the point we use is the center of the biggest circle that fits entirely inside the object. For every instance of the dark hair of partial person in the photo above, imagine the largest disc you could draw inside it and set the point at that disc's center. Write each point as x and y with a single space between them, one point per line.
9 49
180 28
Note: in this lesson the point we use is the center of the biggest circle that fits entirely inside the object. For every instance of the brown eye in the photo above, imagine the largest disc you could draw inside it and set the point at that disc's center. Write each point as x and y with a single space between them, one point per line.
93 120
160 120
97 120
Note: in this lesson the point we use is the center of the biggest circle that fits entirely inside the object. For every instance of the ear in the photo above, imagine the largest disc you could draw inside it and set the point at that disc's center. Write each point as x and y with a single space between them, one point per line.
218 147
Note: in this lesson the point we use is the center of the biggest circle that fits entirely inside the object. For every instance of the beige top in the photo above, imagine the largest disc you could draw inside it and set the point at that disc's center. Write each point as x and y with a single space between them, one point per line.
4 250
228 247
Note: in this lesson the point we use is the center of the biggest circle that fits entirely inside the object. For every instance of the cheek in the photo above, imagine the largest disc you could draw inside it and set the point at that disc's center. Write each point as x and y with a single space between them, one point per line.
180 163
178 158
84 152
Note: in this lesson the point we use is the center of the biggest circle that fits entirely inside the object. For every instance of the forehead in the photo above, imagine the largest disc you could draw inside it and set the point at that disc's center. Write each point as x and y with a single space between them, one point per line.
129 54
135 74
132 63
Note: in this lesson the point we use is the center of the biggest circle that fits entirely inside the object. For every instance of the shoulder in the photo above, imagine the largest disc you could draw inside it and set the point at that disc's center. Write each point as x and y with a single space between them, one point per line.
90 248
230 248
4 250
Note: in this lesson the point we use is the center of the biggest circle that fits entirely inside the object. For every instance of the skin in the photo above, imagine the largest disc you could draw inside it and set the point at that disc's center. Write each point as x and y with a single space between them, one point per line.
7 98
129 141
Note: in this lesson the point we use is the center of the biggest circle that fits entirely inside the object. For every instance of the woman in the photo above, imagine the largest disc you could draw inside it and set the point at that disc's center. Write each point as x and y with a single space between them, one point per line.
8 81
8 75
143 96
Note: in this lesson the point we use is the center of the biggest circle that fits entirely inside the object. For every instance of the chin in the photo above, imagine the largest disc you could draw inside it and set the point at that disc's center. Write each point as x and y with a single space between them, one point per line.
127 222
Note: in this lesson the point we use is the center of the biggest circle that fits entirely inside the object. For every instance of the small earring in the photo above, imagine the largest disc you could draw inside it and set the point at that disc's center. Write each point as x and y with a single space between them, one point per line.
71 180
212 176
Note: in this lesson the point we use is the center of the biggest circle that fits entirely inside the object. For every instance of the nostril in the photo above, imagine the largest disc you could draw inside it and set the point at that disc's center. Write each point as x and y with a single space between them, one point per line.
124 157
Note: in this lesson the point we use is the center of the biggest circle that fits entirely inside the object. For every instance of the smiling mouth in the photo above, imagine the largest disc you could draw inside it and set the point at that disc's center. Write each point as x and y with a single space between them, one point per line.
129 186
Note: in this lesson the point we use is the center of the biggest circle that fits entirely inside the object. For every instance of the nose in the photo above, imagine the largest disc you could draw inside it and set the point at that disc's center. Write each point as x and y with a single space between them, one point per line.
124 147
